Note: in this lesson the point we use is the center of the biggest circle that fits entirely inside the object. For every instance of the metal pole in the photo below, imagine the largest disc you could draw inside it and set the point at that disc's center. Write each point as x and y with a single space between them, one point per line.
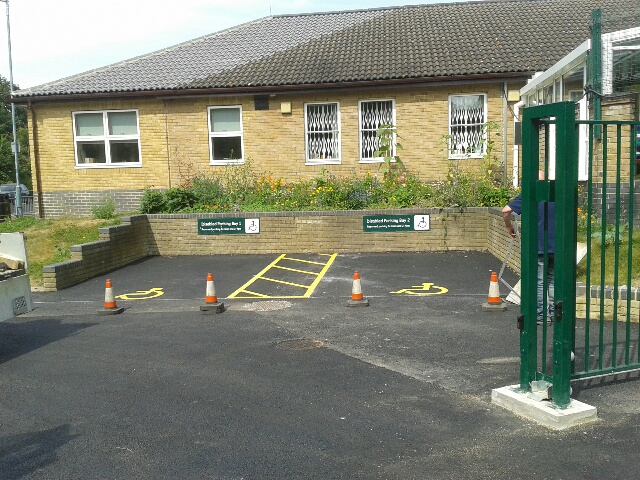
15 146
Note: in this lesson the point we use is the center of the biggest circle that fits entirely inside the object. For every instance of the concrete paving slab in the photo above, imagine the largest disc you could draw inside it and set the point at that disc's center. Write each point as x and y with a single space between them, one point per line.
543 411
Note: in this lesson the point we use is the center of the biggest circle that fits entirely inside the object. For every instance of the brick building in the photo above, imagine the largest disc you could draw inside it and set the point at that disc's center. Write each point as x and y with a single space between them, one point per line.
296 94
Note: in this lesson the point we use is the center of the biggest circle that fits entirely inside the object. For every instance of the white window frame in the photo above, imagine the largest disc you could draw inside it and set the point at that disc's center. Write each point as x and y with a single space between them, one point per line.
212 135
338 132
456 156
106 138
361 129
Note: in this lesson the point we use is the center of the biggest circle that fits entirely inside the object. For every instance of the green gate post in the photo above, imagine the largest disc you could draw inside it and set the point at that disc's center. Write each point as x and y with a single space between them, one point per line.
564 191
529 253
566 188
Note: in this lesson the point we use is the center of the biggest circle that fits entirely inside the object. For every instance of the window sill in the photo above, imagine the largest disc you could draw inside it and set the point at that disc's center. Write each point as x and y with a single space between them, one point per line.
222 163
324 161
89 166
465 156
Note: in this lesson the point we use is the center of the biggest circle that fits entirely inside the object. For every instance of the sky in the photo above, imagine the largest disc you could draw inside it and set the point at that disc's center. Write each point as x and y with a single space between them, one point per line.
53 39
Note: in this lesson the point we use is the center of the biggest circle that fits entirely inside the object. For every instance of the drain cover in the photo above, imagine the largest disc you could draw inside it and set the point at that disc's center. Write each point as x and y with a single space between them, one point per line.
20 305
300 344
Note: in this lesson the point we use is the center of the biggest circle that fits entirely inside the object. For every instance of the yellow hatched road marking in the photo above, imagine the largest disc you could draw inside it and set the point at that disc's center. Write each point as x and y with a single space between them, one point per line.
283 282
320 275
303 261
309 289
295 270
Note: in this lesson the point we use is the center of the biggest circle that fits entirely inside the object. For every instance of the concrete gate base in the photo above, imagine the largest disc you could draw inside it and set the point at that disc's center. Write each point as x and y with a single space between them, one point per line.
543 412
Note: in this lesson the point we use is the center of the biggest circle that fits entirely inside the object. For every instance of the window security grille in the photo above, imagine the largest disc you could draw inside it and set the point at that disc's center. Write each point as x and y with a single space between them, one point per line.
467 118
323 132
372 116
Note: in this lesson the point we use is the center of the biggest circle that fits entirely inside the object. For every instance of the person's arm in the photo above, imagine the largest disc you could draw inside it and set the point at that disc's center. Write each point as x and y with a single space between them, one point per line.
506 216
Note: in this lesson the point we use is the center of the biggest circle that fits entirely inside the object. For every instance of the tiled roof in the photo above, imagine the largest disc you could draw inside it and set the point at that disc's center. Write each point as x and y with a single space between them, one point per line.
389 44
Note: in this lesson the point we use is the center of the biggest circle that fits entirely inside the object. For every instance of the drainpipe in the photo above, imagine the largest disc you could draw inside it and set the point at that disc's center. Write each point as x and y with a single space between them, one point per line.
166 139
35 152
505 147
516 116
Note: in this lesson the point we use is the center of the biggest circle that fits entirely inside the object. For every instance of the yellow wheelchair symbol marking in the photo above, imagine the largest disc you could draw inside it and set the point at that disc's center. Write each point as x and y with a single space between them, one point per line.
424 290
142 294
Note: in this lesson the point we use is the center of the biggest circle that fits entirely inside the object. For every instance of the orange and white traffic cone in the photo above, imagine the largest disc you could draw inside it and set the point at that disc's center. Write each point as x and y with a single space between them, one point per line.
211 304
210 295
110 306
494 302
357 300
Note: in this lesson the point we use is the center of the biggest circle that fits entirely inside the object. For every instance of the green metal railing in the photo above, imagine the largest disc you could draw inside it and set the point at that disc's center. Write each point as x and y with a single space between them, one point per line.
617 333
603 340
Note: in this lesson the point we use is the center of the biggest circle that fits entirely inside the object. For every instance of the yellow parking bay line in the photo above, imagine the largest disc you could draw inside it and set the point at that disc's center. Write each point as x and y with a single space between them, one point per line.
244 292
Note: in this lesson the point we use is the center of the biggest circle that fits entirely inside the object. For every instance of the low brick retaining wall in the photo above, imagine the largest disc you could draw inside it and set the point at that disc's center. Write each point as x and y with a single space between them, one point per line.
118 246
596 297
477 229
320 232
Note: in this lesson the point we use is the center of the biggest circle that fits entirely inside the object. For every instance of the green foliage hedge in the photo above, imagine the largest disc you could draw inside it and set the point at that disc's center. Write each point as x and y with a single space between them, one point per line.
239 188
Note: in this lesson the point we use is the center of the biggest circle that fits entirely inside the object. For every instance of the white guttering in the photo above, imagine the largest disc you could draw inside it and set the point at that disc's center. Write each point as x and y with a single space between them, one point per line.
567 63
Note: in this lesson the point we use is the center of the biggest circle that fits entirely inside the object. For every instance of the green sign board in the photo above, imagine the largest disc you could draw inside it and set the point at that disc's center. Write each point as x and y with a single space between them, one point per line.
395 223
228 226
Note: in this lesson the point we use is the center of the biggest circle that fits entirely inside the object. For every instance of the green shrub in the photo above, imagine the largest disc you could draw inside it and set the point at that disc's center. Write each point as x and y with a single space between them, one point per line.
105 210
153 201
180 199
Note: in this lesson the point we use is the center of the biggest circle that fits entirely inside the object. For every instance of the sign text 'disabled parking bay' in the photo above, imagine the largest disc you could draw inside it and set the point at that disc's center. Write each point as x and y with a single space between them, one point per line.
227 226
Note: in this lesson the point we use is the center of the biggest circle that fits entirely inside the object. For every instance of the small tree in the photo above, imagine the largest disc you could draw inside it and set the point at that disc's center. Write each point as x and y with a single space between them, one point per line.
7 158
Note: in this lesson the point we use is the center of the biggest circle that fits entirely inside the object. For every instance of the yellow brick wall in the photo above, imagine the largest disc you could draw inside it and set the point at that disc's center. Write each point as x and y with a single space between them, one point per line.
594 309
621 109
304 232
175 141
54 150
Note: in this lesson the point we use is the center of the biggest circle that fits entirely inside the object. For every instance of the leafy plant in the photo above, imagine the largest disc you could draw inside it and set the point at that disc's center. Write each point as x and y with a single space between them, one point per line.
153 201
105 210
473 184
388 136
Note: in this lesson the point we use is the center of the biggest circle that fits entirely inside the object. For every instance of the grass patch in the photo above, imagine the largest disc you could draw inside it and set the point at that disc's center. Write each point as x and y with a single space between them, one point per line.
596 253
49 241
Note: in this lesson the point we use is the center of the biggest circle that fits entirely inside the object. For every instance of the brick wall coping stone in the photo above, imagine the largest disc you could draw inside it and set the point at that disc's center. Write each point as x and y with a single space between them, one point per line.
85 247
596 291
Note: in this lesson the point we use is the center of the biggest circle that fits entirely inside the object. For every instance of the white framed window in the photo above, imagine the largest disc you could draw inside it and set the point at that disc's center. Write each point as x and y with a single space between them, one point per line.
226 141
322 133
372 114
467 116
109 138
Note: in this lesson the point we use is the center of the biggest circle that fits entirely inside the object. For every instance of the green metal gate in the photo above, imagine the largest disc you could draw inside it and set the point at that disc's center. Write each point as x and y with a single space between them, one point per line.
588 328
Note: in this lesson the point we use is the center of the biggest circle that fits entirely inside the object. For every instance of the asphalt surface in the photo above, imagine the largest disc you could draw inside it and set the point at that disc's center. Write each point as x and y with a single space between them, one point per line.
289 388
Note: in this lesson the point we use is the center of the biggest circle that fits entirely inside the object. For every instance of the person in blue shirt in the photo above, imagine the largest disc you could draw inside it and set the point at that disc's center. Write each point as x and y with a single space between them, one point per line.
515 206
